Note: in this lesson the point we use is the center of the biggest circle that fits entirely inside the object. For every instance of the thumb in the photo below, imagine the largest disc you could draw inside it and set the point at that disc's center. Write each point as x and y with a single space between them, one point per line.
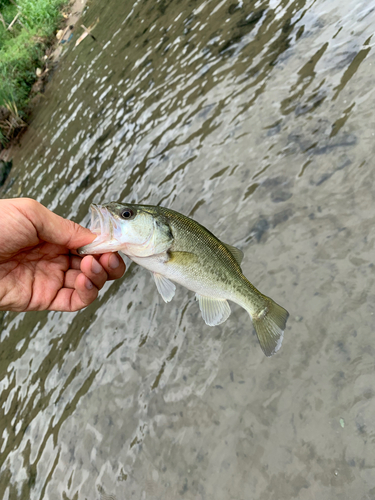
51 227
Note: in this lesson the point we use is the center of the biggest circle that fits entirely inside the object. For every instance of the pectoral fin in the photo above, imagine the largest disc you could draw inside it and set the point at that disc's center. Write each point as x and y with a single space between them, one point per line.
165 287
214 311
182 258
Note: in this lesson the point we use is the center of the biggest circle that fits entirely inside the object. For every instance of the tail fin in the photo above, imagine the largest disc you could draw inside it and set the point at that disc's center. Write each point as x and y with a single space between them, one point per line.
270 326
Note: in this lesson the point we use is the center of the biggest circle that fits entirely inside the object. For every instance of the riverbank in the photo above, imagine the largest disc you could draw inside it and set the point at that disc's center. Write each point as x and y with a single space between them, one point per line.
33 34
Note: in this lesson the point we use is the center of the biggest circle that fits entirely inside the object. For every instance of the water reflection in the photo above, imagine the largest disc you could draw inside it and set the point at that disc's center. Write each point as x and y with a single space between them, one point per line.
256 118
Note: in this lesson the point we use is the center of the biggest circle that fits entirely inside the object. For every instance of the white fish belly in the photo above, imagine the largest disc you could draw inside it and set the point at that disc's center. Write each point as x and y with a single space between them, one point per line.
198 284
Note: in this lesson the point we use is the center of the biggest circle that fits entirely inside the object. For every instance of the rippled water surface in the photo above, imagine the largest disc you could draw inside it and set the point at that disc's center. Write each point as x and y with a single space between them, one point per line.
257 119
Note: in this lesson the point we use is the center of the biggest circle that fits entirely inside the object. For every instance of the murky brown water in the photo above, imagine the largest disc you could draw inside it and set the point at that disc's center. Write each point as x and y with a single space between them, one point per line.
257 118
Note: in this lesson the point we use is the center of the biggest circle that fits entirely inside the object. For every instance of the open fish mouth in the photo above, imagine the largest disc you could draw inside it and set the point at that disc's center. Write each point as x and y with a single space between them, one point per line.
100 220
104 225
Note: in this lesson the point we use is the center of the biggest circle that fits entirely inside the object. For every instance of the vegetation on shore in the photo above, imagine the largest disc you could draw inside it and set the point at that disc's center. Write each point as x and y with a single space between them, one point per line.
26 29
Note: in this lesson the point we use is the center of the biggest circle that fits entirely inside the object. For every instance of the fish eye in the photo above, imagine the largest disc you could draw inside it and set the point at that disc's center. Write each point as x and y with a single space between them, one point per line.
127 213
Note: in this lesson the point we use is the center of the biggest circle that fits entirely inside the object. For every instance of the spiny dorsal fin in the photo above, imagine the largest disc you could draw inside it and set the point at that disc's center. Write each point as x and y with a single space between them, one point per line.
236 252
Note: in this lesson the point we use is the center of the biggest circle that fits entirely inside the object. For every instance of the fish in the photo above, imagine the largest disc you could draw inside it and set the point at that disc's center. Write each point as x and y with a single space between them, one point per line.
177 249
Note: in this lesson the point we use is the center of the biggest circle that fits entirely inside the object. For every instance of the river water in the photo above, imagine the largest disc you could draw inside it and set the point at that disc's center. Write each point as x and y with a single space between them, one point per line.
257 119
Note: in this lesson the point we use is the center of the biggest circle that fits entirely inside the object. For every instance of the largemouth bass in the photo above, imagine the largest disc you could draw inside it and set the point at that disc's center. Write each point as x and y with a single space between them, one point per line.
178 249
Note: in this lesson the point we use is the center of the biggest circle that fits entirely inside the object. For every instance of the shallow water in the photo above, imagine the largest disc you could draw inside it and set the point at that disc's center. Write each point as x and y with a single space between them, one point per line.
257 119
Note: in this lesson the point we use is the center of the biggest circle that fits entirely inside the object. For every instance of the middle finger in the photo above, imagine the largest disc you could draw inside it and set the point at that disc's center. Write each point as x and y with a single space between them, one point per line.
75 262
94 271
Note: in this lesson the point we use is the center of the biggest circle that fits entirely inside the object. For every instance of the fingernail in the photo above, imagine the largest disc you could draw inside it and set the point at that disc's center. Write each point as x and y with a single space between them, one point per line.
114 261
95 266
89 285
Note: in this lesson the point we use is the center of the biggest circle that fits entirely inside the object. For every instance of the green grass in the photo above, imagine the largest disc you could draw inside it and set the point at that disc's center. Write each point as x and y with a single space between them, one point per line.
22 48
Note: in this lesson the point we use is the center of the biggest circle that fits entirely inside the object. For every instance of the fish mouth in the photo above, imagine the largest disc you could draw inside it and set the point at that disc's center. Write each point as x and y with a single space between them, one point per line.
100 220
104 225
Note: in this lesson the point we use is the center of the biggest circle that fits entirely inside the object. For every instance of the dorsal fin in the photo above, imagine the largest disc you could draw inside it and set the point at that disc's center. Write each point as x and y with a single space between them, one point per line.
236 252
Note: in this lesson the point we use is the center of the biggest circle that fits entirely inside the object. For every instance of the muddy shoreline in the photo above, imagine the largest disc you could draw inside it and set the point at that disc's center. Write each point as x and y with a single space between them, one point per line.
54 52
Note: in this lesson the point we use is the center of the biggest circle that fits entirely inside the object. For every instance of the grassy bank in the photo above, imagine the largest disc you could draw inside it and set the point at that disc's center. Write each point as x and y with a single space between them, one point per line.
26 28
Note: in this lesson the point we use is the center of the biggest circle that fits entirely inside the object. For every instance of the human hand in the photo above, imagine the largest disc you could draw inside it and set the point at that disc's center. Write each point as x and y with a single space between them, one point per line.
38 270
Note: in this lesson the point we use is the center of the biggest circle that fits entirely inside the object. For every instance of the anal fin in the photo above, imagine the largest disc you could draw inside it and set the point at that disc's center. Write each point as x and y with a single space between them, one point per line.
214 311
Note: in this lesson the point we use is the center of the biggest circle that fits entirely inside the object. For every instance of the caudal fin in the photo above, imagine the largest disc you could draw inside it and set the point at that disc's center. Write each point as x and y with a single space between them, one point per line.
270 326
